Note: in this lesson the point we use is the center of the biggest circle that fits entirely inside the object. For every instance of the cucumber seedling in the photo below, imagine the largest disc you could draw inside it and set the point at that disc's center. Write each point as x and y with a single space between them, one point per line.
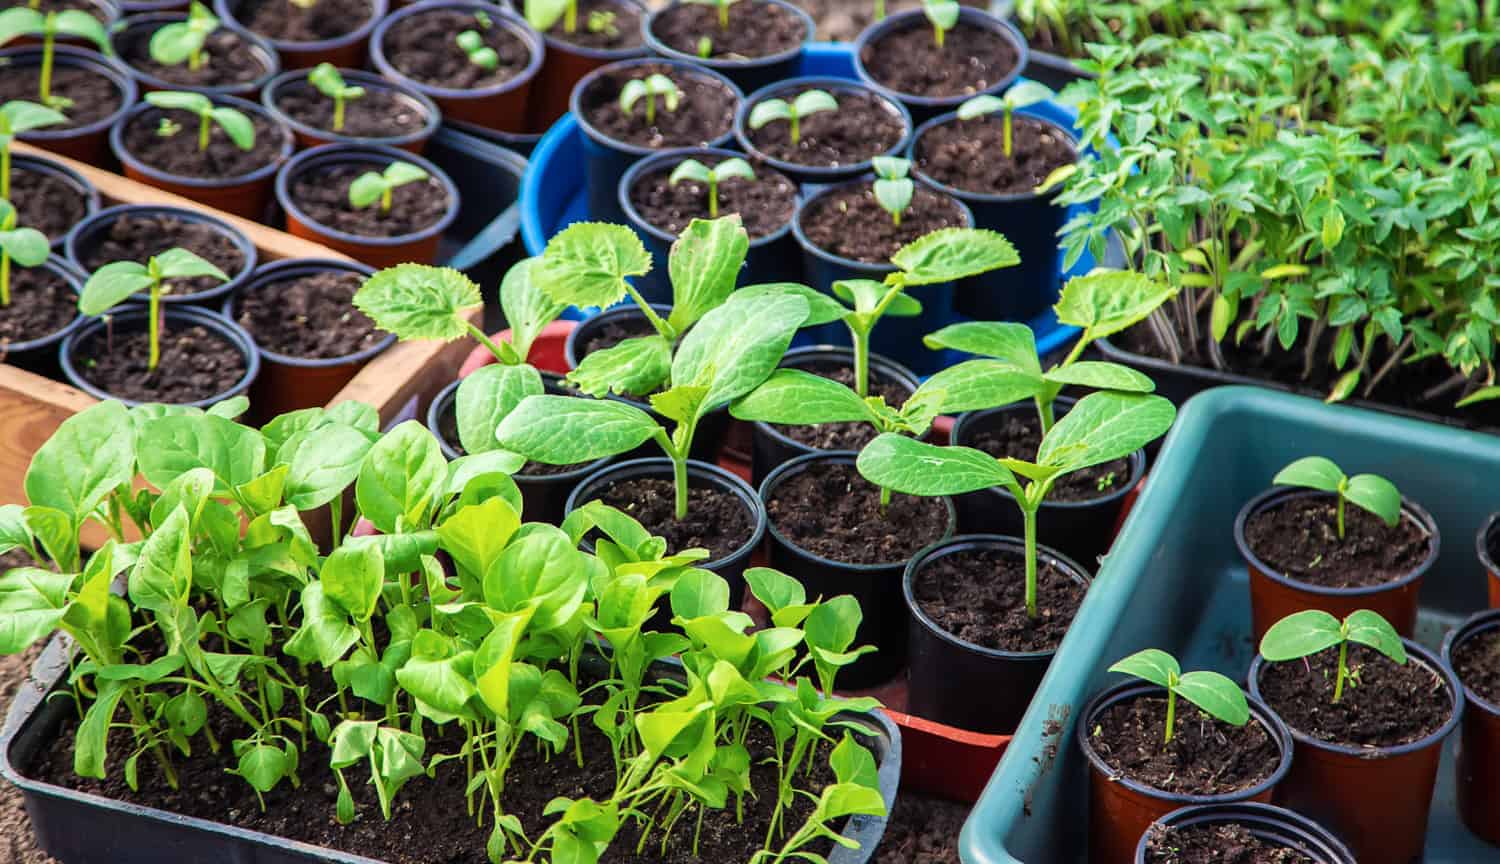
943 15
183 41
1305 633
1215 694
705 47
17 116
1018 96
113 284
697 172
27 247
543 15
653 86
381 186
236 126
722 6
25 21
326 77
472 43
1369 492
807 103
893 185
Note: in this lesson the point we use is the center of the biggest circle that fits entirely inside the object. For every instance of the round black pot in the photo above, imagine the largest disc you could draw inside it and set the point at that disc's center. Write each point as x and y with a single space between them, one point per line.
877 587
566 64
957 682
88 234
1491 569
820 174
1265 822
39 355
347 50
749 73
130 318
74 180
136 7
1082 530
138 29
1477 771
312 136
88 143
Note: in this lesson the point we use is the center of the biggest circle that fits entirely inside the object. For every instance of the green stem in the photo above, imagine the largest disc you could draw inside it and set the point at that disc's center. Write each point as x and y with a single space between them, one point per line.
650 108
713 197
723 14
879 10
45 85
154 326
796 130
1338 683
861 362
1341 520
385 200
1007 136
657 323
1029 518
336 515
4 278
5 171
484 340
1171 714
570 17
938 35
1045 413
203 131
885 499
680 483
338 113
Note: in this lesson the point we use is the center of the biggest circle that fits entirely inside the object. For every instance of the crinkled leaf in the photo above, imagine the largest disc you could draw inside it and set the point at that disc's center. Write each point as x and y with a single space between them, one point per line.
528 309
953 253
1107 301
795 397
632 367
587 263
417 301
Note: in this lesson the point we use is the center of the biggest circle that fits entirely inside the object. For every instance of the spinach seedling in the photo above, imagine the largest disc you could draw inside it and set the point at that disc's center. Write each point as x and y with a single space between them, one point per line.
183 41
1305 633
806 104
112 284
893 186
28 247
649 88
373 186
25 21
697 172
480 54
1218 696
722 6
19 116
1373 494
238 127
326 77
943 15
1019 96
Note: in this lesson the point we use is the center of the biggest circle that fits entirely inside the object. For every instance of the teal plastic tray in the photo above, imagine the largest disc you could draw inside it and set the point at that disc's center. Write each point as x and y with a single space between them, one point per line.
1174 580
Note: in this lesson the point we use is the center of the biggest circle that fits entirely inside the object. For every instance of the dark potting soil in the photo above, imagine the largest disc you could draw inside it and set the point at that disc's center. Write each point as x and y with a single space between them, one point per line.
922 830
849 222
196 363
1217 843
843 20
756 29
231 59
1299 539
45 202
717 520
622 30
290 22
764 204
704 113
380 113
94 97
46 6
980 597
1477 663
1019 435
138 237
17 842
1204 757
908 60
830 510
178 154
970 154
845 436
424 47
323 195
41 303
312 317
1389 704
862 127
448 428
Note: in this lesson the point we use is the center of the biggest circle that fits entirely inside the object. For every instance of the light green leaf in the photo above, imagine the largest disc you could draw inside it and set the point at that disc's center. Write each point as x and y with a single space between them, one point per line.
1311 472
915 468
563 430
32 603
163 574
953 253
976 385
401 479
1107 301
111 285
90 454
1375 495
1103 427
1153 665
1369 628
822 309
631 367
484 399
1300 635
416 301
587 263
353 577
528 309
170 446
704 264
1218 696
1101 376
321 464
1002 340
795 397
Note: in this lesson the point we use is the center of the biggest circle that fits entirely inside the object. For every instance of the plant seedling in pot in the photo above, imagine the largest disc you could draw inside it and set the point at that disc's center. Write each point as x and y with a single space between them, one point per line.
373 186
1373 494
697 172
326 77
113 284
943 15
19 116
1306 633
544 14
650 88
705 47
1019 96
27 247
182 41
25 21
806 104
235 125
893 186
480 54
721 5
1215 694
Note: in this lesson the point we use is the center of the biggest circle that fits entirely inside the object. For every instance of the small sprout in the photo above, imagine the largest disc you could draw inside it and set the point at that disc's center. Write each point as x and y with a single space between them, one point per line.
376 185
1375 495
893 188
113 284
330 83
805 105
27 21
723 6
235 124
19 116
304 5
944 16
1306 633
1021 95
26 246
705 47
483 19
480 54
650 87
1106 482
603 21
1215 694
166 128
543 15
184 40
692 169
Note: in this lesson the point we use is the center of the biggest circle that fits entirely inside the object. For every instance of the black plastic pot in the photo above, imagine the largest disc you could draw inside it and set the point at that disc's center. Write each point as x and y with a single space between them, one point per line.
1082 530
962 684
1265 822
348 50
877 587
88 233
39 355
566 64
312 136
924 108
809 173
76 181
89 143
138 29
1477 769
749 73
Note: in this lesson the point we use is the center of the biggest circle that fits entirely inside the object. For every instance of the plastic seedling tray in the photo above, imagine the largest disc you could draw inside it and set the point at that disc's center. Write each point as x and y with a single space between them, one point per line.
1174 581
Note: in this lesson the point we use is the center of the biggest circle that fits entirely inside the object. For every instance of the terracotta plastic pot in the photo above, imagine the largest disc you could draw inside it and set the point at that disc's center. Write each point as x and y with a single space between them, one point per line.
1477 769
1491 569
820 174
81 241
565 65
88 143
137 30
245 195
418 246
348 49
77 182
1265 822
39 354
1376 798
748 73
1121 808
1273 596
924 108
312 136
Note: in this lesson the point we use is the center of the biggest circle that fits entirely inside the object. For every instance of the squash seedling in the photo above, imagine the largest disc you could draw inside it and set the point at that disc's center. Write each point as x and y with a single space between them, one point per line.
806 104
1018 96
25 21
112 284
326 77
1305 633
17 116
1217 696
697 172
480 54
183 41
722 6
705 47
373 186
235 125
893 186
26 246
649 88
943 15
544 14
1369 492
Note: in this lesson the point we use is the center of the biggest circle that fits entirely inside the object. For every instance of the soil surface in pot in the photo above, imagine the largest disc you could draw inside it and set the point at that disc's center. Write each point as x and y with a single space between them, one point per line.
1217 843
448 428
178 154
704 113
1299 539
1390 705
1019 435
829 510
94 96
46 202
970 154
424 47
980 596
850 223
1204 757
908 60
41 303
380 113
922 830
844 20
1477 662
717 519
231 59
764 204
312 317
323 195
196 363
137 237
862 127
756 29
290 22
46 6
622 31
844 436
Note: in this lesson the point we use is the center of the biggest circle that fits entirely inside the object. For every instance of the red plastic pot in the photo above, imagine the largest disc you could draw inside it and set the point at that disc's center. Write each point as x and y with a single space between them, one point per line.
1491 570
565 65
1477 770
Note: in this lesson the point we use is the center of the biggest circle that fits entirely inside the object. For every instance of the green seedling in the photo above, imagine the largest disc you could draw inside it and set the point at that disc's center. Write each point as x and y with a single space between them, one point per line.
166 128
25 21
879 14
543 15
649 88
1305 633
603 21
16 117
807 103
1215 694
183 41
373 186
25 246
705 47
235 125
697 172
943 15
1018 96
113 284
1375 495
479 53
722 6
893 187
326 77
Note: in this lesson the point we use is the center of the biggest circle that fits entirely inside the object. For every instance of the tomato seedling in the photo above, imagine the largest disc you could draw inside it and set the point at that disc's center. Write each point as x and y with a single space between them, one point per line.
1018 96
650 88
113 284
27 247
26 21
1215 694
697 172
479 53
893 187
943 15
183 41
18 116
373 186
1373 494
326 78
1305 633
237 127
807 103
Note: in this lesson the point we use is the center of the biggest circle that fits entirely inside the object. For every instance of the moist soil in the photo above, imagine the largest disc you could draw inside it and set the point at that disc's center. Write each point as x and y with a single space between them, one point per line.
46 202
922 830
863 127
312 317
289 22
849 222
380 113
704 113
94 96
980 597
844 436
765 204
137 237
179 155
1477 662
970 155
844 20
756 29
717 519
1217 843
448 428
41 303
18 845
624 31
1389 705
908 60
231 59
46 6
196 363
423 47
1018 435
1299 539
1204 757
828 509
322 194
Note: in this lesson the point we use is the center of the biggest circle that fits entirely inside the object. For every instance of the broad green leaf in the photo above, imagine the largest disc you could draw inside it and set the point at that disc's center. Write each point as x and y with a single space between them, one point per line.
853 763
163 574
183 264
541 571
1216 695
111 285
401 479
1102 427
1101 375
631 367
587 263
915 468
1153 665
833 624
1299 635
679 404
263 766
439 684
976 385
321 464
851 799
26 247
543 14
739 345
475 536
493 661
822 309
23 116
353 577
484 399
189 491
91 454
326 634
170 446
528 309
953 253
563 430
774 589
180 100
1312 472
13 531
417 301
1369 628
795 397
1002 340
352 740
150 673
1107 301
91 741
1376 495
699 594
32 603
704 263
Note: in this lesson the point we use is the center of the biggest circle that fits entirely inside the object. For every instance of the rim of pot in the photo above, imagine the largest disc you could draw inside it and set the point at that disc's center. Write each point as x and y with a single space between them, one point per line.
878 362
46 165
1482 542
641 167
575 100
232 333
1481 622
966 543
445 397
225 11
512 22
847 457
966 15
852 263
259 45
1280 494
368 80
136 7
721 64
1434 663
85 229
59 267
290 269
373 154
983 197
555 43
122 153
742 131
626 309
108 68
1266 821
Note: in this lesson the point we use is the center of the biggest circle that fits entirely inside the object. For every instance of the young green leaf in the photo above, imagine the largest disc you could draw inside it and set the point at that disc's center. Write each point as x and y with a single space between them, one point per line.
587 264
917 468
417 301
696 172
633 367
704 263
528 310
893 189
650 88
795 397
806 104
737 346
1305 633
1373 494
183 41
472 43
950 254
326 78
1107 301
1103 427
1215 694
486 397
401 478
564 430
91 454
371 186
943 15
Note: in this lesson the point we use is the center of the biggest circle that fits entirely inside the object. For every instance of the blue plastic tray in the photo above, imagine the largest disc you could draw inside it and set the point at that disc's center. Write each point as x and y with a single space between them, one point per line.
1174 580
